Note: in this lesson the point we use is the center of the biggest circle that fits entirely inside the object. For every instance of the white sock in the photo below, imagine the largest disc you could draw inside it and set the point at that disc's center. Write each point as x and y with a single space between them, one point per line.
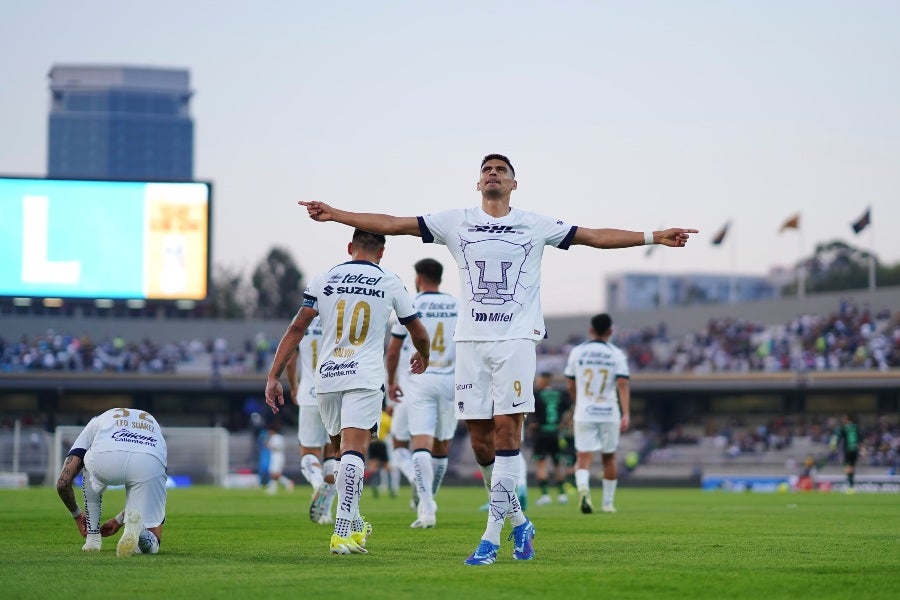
504 503
312 470
439 466
421 460
582 480
349 487
92 505
609 491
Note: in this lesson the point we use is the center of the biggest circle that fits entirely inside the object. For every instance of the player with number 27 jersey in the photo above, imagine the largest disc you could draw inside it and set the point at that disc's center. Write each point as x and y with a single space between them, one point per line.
595 365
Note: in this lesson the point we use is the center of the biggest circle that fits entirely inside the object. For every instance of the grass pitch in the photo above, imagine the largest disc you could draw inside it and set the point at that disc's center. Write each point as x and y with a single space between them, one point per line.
661 544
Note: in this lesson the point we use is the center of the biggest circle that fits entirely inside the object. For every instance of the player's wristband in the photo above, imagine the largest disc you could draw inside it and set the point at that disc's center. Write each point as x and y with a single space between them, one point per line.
76 513
648 238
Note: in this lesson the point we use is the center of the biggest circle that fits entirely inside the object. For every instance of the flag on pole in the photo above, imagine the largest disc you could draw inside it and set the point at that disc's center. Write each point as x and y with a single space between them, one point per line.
864 221
791 223
720 237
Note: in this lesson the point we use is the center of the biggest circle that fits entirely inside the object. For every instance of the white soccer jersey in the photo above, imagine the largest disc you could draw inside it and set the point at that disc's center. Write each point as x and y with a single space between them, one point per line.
438 312
309 349
595 366
499 261
406 352
355 300
122 430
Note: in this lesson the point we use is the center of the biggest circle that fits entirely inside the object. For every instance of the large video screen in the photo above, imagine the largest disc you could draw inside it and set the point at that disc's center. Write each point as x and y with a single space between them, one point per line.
104 239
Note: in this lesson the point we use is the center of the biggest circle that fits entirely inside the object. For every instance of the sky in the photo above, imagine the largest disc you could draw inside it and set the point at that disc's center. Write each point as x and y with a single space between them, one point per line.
632 115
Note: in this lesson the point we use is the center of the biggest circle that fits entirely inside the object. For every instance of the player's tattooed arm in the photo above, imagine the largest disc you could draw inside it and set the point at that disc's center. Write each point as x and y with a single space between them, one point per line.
71 467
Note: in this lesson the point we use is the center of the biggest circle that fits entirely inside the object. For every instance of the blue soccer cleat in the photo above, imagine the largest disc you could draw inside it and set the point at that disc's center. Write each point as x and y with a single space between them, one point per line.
485 554
522 535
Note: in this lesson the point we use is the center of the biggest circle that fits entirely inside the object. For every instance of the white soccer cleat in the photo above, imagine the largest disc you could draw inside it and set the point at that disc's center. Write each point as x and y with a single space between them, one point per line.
562 499
92 543
129 540
608 508
544 500
424 522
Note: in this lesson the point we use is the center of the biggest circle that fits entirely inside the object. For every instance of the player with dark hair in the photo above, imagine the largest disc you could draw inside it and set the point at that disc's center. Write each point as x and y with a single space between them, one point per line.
122 446
355 300
551 405
847 437
598 380
498 251
428 397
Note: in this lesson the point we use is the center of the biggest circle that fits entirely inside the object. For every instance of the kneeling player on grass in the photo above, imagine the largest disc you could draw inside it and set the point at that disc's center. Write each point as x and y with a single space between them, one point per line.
123 446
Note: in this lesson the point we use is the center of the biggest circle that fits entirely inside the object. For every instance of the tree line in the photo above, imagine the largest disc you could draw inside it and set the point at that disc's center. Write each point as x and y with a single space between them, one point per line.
275 286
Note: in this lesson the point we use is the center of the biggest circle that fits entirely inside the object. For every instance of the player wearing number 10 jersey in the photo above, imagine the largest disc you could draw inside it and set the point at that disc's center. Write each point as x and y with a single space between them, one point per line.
355 300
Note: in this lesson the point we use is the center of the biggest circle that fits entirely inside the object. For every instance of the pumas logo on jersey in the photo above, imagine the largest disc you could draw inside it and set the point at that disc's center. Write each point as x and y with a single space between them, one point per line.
493 229
461 407
492 317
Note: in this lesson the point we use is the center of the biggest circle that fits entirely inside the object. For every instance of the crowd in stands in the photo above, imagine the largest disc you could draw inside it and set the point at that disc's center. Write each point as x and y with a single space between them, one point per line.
879 444
65 352
851 337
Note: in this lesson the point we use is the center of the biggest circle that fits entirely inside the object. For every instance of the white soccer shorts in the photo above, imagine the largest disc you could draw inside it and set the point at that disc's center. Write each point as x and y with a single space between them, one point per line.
430 401
593 436
143 476
400 418
494 378
360 409
310 428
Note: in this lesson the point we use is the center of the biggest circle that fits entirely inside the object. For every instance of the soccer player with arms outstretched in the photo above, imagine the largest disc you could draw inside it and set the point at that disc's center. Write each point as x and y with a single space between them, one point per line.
498 251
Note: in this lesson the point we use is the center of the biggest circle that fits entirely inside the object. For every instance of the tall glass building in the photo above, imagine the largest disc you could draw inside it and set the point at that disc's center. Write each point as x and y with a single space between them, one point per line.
120 122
